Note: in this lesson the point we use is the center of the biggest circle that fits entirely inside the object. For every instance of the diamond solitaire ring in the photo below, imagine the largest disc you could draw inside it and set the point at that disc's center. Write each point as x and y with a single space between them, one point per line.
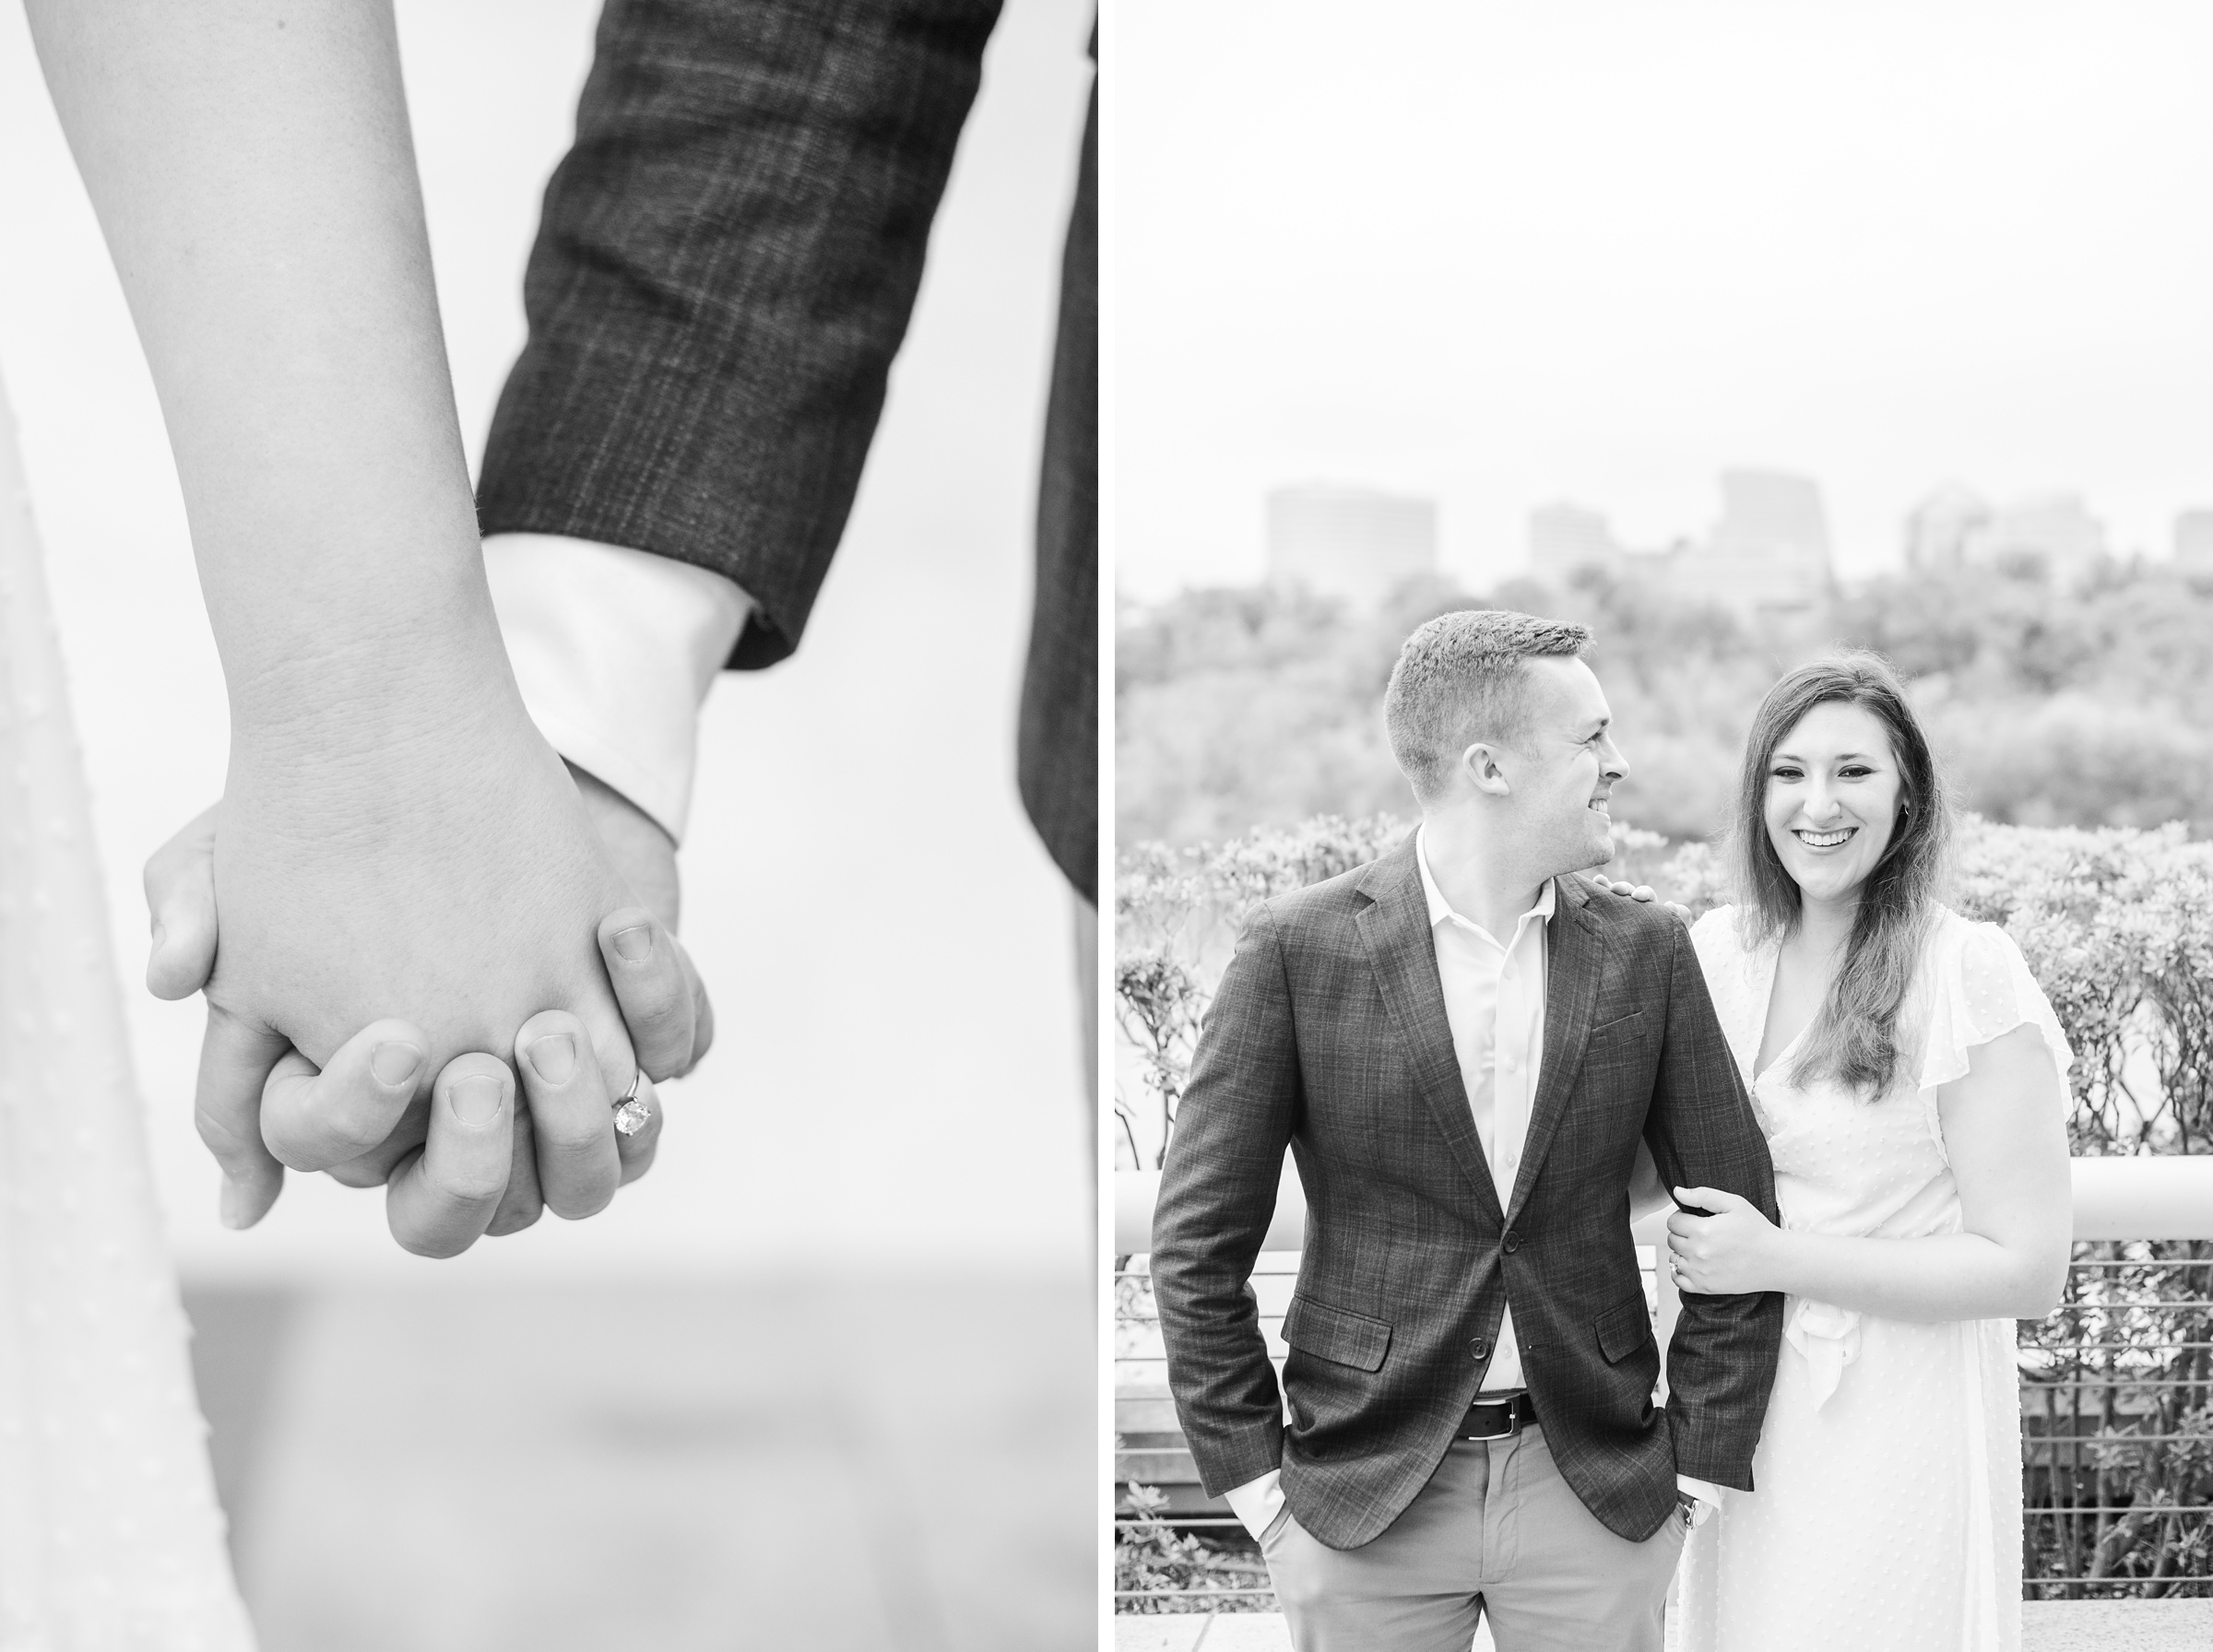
633 1112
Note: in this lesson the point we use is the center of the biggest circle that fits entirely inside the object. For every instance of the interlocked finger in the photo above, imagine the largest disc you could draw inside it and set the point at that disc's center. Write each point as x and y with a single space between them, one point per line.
523 1203
236 1058
313 1120
572 1116
179 903
655 986
440 1201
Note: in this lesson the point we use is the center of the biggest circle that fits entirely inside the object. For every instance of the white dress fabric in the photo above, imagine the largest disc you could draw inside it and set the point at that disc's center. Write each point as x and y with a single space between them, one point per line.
110 1537
1886 1509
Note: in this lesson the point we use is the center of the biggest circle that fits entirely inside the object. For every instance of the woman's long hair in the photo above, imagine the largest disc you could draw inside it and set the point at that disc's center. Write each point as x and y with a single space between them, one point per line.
1854 1035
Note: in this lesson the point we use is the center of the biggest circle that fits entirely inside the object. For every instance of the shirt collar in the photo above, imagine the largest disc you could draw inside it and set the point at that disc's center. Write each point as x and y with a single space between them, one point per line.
1440 909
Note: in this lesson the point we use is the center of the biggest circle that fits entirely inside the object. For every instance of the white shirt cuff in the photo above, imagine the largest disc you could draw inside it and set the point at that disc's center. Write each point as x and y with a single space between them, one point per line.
614 650
1257 1502
1705 1490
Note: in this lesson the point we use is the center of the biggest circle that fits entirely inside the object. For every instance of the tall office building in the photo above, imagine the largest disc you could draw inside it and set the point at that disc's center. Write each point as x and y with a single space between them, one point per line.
1353 543
2055 531
1768 550
2194 541
1565 538
1945 532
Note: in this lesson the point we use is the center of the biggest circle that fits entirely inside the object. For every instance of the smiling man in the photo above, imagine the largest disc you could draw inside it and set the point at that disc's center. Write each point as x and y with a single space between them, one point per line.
1461 1046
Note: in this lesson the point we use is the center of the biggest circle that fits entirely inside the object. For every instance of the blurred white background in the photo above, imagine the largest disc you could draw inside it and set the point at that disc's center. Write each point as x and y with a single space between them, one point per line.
893 1105
1598 249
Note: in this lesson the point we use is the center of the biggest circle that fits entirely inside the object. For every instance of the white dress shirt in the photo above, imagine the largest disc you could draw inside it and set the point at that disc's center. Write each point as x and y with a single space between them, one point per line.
1495 1006
615 650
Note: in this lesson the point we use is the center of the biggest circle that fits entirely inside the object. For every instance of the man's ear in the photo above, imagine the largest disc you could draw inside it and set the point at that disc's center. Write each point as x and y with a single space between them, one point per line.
1479 762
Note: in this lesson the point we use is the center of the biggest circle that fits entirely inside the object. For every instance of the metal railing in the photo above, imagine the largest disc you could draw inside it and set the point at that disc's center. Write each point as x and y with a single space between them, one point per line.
2117 1391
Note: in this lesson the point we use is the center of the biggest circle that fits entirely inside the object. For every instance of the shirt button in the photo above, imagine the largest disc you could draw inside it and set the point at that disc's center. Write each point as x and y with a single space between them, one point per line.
1480 1349
1510 1063
1513 1241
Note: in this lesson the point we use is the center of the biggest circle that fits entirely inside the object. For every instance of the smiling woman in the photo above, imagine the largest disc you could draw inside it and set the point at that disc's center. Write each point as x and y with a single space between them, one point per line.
1835 749
1908 1076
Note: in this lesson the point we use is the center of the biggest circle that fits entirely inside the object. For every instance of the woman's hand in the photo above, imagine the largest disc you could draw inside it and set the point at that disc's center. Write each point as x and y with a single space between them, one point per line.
343 1118
1727 1254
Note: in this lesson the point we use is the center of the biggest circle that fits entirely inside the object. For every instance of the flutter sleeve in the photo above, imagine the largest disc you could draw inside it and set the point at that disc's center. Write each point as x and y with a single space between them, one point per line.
1980 990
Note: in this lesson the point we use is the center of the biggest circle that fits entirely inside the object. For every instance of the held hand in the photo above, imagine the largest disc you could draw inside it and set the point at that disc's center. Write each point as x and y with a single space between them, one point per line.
257 1096
664 1002
1726 1254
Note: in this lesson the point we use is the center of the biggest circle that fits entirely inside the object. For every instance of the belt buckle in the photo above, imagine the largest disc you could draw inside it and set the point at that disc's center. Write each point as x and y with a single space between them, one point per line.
1504 1405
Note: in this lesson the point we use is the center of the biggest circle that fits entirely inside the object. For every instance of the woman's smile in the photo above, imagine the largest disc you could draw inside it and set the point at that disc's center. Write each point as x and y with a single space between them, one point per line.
1832 799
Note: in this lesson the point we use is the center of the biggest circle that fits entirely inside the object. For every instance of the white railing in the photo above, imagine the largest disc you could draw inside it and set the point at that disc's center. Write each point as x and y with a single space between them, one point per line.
2136 1198
2114 1199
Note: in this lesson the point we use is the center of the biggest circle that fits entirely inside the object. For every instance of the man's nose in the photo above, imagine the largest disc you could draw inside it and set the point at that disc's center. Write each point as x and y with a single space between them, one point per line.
1611 763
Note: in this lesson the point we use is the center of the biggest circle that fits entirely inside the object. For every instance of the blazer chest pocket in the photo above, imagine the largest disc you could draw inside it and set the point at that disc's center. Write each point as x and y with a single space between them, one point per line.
1623 1330
1628 1030
1333 1334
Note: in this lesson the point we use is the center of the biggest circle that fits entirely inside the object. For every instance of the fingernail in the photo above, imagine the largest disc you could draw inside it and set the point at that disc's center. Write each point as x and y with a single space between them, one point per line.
232 1205
395 1063
554 1056
634 945
476 1099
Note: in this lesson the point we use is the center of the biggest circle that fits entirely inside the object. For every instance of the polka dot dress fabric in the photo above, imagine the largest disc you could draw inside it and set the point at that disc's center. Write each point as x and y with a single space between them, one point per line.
1886 1502
110 1537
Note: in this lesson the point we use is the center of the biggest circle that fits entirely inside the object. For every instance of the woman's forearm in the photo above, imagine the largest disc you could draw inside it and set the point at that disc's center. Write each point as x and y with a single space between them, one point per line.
1942 1276
251 168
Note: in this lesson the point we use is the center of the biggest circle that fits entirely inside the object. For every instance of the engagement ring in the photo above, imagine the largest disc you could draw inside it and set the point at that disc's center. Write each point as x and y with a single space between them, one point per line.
633 1113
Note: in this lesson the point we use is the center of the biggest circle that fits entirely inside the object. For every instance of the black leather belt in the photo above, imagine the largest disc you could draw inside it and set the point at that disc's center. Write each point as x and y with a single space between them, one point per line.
1496 1419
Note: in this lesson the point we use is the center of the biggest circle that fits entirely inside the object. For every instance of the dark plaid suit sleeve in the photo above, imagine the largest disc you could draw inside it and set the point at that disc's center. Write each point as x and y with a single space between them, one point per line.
1702 1133
1217 1196
725 267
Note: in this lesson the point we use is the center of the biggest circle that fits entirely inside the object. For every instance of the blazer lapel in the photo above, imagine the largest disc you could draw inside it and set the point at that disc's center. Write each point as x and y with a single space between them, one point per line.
1578 947
1395 929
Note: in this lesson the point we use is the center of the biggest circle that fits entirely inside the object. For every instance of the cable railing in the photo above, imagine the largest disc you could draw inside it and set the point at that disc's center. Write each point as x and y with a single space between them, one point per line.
2116 1391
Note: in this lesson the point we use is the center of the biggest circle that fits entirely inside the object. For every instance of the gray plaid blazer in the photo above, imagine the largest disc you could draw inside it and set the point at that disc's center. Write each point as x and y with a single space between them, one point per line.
1327 1035
725 269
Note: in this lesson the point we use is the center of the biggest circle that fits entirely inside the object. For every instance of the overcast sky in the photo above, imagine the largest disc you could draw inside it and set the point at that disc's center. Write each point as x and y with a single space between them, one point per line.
1502 254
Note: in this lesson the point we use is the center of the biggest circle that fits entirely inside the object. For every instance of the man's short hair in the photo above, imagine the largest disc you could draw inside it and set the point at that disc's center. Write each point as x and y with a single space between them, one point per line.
1460 680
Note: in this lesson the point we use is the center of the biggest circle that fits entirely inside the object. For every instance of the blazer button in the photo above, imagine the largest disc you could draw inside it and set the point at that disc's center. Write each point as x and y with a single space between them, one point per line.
1480 1349
1513 1240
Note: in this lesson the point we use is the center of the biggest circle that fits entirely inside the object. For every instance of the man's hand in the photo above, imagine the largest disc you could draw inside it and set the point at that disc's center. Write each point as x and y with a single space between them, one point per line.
573 1058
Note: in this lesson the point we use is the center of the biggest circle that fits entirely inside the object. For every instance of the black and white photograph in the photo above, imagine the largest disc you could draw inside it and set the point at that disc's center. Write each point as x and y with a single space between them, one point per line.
1623 596
1662 580
548 846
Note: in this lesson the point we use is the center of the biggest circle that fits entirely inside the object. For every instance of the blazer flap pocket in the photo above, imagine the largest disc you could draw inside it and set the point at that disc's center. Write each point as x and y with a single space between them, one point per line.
1334 1334
1628 1026
1623 1330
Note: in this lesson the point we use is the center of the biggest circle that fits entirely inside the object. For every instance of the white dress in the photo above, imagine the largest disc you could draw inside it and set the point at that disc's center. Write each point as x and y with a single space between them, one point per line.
1886 1509
110 1537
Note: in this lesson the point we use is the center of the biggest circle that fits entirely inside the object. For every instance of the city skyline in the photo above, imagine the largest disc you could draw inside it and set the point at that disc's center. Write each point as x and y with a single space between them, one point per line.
1418 256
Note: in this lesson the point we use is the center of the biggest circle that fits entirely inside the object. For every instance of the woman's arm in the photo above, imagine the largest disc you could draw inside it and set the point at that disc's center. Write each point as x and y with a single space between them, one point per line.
251 166
396 842
2009 1148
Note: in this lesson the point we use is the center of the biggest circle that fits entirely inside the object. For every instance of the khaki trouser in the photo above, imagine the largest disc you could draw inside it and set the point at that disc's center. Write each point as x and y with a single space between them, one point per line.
1495 1531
